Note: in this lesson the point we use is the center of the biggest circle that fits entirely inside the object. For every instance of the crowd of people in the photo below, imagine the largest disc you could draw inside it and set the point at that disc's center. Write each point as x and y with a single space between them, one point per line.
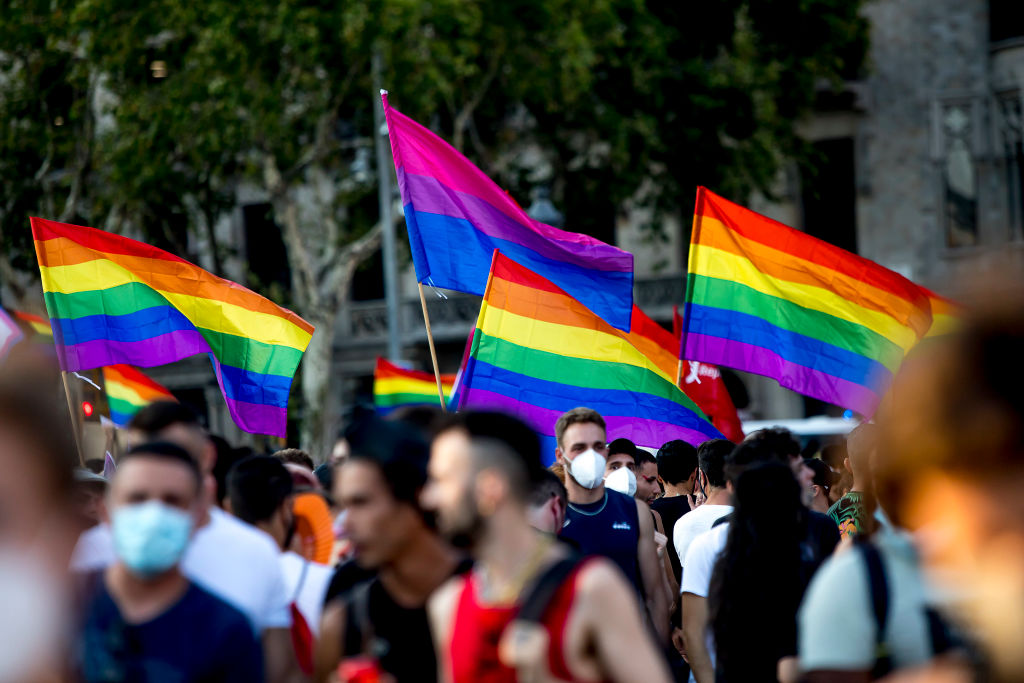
440 547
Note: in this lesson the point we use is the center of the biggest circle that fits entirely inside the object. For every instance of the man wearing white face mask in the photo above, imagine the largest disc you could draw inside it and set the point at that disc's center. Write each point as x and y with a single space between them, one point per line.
606 522
145 620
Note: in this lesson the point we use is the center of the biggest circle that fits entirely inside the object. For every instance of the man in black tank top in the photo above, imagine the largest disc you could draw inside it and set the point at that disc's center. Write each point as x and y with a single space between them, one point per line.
381 623
605 522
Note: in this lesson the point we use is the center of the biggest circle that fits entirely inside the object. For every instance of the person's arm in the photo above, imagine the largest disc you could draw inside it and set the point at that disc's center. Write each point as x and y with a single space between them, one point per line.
624 649
650 573
661 543
282 667
695 622
440 611
328 645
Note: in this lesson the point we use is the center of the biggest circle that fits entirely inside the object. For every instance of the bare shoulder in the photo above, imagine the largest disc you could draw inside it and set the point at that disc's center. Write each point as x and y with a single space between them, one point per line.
598 577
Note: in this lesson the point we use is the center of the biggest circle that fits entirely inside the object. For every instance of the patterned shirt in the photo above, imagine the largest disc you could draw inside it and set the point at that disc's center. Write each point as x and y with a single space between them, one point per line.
849 513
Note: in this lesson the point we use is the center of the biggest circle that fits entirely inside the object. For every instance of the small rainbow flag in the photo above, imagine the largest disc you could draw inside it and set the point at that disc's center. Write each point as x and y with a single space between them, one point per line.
946 315
395 387
457 217
128 390
113 300
38 324
10 333
537 352
771 300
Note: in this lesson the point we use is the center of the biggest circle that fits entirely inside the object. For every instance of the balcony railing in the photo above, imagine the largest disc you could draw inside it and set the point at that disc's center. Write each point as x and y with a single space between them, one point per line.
452 317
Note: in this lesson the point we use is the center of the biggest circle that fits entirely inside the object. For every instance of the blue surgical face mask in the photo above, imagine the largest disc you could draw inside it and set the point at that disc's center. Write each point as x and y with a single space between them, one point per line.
150 537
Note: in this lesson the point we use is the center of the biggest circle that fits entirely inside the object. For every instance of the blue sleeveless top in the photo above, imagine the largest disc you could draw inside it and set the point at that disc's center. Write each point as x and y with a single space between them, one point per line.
609 527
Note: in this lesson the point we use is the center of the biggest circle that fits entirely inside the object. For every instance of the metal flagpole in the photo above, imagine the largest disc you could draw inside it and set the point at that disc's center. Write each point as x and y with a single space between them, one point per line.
387 223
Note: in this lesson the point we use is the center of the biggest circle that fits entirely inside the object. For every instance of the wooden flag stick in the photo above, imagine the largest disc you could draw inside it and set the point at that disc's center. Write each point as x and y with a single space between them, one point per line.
74 417
679 372
433 351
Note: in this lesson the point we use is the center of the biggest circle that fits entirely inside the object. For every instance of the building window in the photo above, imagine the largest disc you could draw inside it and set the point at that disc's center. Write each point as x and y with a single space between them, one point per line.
959 177
1005 20
1011 136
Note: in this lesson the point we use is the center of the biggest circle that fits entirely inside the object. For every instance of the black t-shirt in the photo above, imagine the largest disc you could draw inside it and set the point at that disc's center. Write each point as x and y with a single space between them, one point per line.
671 509
199 638
347 576
398 637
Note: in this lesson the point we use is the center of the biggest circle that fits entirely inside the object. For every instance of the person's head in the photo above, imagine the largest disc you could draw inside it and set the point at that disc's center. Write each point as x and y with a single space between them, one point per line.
260 493
581 435
834 455
821 484
620 467
951 461
483 469
295 456
153 504
379 484
778 443
177 423
711 457
226 457
677 465
547 505
90 490
94 465
757 578
860 448
340 451
647 488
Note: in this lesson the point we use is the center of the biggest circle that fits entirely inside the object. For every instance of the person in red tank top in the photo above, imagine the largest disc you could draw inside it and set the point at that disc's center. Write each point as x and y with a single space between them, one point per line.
482 468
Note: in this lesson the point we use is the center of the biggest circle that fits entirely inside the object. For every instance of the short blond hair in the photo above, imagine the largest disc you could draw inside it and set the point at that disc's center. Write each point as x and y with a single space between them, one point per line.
579 415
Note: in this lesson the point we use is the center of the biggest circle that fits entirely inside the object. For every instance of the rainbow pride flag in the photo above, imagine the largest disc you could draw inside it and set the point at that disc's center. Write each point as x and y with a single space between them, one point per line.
537 352
113 300
38 324
771 300
457 217
395 387
946 315
128 390
10 333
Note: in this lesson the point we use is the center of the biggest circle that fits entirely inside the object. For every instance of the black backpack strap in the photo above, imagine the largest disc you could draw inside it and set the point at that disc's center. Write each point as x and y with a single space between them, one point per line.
537 598
724 519
879 593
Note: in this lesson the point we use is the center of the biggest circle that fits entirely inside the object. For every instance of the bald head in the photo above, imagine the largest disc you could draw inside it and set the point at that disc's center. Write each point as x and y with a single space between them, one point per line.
860 447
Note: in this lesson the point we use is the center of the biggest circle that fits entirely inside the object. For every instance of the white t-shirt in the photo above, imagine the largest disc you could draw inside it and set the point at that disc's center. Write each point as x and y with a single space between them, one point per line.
310 596
693 524
233 560
836 619
700 563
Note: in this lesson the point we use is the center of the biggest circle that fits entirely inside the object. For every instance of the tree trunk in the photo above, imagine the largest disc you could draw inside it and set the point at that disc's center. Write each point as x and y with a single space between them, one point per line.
318 415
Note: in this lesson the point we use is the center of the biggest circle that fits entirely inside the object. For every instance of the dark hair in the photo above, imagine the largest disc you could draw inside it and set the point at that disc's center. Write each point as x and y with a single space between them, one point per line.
164 450
643 457
764 445
823 476
296 456
325 475
95 465
523 466
834 454
624 446
423 418
29 408
397 449
257 486
758 579
226 458
711 457
676 461
160 415
548 486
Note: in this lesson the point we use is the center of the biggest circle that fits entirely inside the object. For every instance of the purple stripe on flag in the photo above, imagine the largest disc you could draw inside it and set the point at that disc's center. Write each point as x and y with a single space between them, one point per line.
258 418
430 195
799 378
641 431
159 350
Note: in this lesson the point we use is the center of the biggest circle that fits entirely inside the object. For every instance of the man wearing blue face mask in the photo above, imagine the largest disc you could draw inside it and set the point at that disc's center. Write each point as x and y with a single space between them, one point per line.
605 522
145 621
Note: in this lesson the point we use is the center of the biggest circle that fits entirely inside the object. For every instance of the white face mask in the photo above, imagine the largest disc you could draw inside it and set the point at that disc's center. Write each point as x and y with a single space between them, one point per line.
588 468
33 618
622 480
